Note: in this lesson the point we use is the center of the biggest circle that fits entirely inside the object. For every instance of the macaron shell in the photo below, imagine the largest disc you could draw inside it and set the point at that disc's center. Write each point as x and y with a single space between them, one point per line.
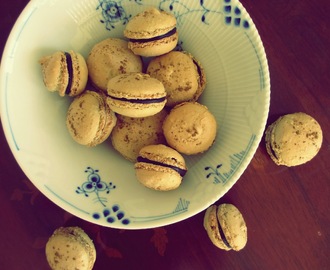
70 248
293 139
190 128
55 72
131 134
157 177
179 74
135 85
233 226
110 58
149 23
89 121
211 226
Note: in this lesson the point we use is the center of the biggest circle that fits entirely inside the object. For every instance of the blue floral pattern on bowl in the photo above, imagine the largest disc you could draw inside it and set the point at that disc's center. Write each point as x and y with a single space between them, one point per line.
113 213
95 185
114 12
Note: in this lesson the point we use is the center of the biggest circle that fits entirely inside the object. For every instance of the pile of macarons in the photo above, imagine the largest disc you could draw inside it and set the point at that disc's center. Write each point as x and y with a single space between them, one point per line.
141 93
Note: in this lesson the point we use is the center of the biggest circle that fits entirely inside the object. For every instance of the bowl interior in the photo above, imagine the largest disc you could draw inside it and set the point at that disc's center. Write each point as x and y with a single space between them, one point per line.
97 184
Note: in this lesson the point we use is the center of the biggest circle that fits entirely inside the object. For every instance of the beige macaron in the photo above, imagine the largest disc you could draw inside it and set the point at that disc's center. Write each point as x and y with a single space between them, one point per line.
293 139
226 227
190 128
136 95
131 134
182 75
70 248
109 58
89 119
152 32
160 167
64 72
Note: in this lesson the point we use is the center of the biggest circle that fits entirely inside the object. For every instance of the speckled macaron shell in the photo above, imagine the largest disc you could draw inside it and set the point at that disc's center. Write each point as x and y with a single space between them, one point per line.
225 227
160 167
131 134
136 95
211 225
293 139
233 225
182 75
70 248
110 58
190 128
147 32
64 72
89 119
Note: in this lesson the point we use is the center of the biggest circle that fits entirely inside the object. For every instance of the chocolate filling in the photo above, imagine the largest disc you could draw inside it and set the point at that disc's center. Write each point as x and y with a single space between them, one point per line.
142 40
180 171
223 237
141 101
70 71
199 70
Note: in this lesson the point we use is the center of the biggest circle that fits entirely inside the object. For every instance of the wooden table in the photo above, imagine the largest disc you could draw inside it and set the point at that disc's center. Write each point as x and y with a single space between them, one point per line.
286 209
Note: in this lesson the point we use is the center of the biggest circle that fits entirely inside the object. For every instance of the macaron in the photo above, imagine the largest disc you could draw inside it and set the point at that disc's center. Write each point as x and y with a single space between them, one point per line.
160 167
190 128
182 75
70 248
152 32
136 95
131 134
293 139
64 72
109 58
90 119
226 227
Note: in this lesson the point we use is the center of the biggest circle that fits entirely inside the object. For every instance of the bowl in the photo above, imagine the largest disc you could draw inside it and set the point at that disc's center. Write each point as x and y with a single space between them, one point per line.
97 184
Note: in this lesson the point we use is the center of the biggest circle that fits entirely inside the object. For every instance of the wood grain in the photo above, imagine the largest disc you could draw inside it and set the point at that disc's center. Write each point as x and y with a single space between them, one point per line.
286 209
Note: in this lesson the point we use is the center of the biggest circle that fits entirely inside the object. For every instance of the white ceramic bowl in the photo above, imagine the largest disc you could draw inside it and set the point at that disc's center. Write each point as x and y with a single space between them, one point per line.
97 184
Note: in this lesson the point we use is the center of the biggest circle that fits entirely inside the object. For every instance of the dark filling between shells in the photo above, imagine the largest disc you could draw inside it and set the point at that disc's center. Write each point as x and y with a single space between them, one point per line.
180 171
141 101
223 237
199 70
142 40
70 72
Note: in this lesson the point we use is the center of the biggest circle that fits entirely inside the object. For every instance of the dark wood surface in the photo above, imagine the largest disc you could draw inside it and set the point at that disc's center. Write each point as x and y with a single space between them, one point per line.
286 209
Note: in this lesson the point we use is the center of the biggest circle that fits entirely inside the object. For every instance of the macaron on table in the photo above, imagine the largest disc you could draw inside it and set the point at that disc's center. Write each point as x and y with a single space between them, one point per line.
248 190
